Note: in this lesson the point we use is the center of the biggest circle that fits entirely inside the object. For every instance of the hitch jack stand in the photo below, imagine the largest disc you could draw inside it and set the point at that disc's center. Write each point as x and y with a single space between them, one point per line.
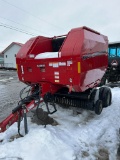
25 119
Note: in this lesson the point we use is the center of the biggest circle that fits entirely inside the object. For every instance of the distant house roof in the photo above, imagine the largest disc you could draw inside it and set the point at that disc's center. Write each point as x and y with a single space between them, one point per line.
20 44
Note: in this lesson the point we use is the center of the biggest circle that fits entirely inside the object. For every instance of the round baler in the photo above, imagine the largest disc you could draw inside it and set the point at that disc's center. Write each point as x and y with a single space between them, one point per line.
67 68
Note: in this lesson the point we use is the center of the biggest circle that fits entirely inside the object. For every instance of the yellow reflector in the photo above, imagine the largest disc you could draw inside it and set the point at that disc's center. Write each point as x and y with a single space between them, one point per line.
79 67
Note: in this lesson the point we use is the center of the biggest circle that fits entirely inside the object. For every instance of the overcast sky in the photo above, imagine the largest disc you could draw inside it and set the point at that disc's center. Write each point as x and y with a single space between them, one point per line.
56 17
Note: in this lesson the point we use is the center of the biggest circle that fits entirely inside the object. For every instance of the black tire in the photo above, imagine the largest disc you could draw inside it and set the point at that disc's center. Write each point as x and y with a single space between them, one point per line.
105 95
98 107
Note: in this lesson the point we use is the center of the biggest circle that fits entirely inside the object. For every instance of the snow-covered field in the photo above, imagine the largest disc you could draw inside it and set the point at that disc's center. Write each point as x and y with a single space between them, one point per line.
83 136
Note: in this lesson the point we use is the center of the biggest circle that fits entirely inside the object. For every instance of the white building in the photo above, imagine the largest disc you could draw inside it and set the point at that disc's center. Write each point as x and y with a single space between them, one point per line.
10 54
1 60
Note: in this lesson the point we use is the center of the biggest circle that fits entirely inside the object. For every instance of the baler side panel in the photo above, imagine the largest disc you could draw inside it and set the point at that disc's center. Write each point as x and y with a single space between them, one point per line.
25 49
42 45
73 43
93 59
35 46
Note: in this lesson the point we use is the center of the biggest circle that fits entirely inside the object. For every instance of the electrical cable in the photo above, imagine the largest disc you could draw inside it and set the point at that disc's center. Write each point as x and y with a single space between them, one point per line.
32 14
24 25
22 103
16 29
35 95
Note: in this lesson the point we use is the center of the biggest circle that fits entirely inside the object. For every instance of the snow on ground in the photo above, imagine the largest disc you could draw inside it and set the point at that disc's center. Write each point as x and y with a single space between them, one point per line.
5 80
84 136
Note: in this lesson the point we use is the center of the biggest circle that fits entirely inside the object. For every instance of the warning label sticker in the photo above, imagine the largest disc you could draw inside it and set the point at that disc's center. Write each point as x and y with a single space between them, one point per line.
62 63
55 65
57 80
56 77
56 73
69 63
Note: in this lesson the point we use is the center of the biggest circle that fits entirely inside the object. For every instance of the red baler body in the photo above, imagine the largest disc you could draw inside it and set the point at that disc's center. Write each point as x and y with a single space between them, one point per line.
80 62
